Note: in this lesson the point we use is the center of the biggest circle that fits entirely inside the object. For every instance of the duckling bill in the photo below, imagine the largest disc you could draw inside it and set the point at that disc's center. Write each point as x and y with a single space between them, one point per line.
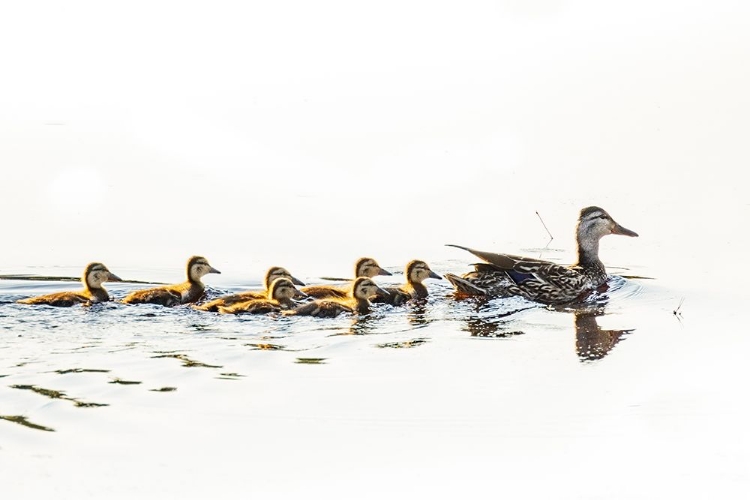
93 277
182 293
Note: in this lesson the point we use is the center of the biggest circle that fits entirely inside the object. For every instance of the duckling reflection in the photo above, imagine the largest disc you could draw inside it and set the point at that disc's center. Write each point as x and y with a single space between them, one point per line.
593 343
416 315
362 325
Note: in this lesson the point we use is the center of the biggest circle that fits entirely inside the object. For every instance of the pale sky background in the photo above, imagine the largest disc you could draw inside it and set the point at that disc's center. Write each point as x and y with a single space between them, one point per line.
145 132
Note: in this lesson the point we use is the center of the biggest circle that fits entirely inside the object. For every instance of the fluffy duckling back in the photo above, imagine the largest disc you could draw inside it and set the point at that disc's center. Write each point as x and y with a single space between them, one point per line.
272 275
416 272
182 293
93 277
358 301
281 294
365 267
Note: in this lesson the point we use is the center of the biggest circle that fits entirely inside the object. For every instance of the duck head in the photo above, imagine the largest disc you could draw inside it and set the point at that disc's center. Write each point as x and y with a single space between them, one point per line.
364 289
367 267
417 271
97 273
198 267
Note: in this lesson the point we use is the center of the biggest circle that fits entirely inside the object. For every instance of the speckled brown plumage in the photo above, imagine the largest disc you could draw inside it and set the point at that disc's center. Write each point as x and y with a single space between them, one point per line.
504 275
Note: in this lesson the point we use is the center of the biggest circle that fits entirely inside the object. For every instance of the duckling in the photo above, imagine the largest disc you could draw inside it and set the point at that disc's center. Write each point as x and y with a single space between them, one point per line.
94 275
416 272
272 274
503 275
182 293
280 295
357 302
364 267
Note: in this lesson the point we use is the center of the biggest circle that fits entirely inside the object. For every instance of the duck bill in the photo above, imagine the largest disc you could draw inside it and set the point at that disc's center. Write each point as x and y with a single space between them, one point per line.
435 275
113 277
297 282
213 270
618 229
383 272
381 292
299 294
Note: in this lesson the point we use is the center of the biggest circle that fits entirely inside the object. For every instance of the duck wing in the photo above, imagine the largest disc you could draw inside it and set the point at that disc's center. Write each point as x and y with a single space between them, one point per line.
539 280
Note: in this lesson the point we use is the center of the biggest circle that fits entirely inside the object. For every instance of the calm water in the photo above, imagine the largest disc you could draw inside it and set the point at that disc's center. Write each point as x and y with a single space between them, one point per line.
444 396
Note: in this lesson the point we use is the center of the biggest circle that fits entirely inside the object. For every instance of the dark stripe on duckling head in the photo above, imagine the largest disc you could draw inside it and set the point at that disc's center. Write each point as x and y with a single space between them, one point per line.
97 273
368 267
282 288
92 268
418 271
279 272
198 267
364 288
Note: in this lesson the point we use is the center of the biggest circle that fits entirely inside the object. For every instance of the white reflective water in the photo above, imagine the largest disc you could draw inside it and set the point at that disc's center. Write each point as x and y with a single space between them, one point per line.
298 137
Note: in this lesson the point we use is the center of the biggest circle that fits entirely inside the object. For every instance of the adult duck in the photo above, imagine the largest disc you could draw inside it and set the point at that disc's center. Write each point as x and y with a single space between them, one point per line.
503 275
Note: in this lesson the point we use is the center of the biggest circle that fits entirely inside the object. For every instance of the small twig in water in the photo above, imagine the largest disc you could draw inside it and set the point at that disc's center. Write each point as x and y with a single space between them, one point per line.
677 312
545 226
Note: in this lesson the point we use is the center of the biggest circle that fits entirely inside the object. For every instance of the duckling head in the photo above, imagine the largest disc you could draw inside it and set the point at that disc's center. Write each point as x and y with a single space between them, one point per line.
97 273
277 272
284 289
593 224
364 289
367 267
417 271
198 267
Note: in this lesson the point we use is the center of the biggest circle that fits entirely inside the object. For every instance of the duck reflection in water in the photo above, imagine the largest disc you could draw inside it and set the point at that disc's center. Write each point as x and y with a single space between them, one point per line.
490 325
593 342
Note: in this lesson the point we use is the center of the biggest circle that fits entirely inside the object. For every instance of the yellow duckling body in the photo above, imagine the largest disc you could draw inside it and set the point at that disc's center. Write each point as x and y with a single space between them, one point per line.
364 267
272 275
281 294
93 277
416 272
182 293
358 301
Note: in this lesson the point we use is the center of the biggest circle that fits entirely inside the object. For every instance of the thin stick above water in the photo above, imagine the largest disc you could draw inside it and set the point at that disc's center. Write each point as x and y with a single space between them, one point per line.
545 226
